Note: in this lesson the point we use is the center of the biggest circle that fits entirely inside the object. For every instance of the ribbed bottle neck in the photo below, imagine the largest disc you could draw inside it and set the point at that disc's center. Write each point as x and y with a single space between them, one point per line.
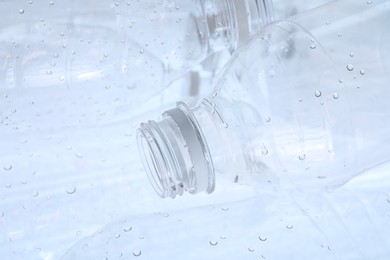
232 22
175 154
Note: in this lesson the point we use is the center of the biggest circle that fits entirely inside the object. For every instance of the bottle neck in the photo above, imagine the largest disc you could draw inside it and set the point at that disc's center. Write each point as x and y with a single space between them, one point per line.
175 153
232 22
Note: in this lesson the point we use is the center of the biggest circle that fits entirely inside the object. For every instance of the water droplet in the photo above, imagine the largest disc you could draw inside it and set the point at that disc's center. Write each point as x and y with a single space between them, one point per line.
127 229
362 72
30 2
349 67
35 193
264 150
225 125
225 208
7 167
213 243
51 3
388 200
8 185
268 119
262 238
339 35
21 11
335 95
222 237
56 55
352 54
137 253
289 226
141 51
302 157
312 46
117 235
317 93
71 190
369 2
340 80
250 249
1 214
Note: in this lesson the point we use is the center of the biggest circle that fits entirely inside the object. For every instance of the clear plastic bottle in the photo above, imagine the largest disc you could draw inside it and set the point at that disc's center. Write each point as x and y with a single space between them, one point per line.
134 44
304 103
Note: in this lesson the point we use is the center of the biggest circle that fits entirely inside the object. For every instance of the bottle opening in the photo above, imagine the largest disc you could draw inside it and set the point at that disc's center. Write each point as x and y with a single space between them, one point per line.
152 159
175 154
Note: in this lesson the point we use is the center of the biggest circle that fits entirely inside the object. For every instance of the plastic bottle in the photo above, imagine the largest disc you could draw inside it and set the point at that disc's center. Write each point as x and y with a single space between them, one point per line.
351 223
134 44
303 104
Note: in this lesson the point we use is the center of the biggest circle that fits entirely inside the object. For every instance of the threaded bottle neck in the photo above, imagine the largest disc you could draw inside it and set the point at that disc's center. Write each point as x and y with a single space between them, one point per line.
175 154
232 22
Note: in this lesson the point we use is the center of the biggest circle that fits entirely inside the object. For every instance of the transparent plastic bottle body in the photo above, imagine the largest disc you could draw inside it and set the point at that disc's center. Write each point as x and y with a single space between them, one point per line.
304 103
134 44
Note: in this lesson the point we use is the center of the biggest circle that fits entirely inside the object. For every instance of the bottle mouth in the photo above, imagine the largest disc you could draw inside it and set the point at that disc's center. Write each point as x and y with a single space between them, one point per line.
152 156
175 154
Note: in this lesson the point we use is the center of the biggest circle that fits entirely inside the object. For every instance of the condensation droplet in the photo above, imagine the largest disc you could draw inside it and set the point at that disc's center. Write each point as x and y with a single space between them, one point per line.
388 200
302 157
289 226
7 167
21 11
8 185
225 208
250 249
71 190
349 67
222 237
312 46
117 235
369 2
30 2
317 93
141 51
127 229
262 238
335 95
1 214
137 253
362 72
352 54
341 81
51 3
213 243
268 119
264 150
35 193
225 125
